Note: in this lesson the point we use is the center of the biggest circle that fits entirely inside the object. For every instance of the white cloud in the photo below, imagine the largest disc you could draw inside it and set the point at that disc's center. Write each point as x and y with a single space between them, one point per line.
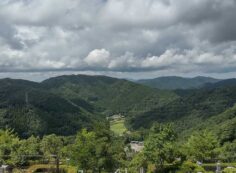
98 58
118 35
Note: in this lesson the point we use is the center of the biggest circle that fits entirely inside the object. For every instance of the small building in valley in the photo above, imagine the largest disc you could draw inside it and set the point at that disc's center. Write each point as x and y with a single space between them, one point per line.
136 146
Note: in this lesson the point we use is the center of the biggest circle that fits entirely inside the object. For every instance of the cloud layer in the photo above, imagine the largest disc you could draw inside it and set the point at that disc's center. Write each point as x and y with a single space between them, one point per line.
118 35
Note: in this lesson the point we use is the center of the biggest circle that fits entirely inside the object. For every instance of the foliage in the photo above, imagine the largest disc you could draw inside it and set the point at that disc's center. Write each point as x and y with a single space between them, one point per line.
202 146
229 170
9 143
66 104
160 145
34 168
206 108
109 94
228 153
29 149
137 162
45 112
188 166
52 145
83 151
98 150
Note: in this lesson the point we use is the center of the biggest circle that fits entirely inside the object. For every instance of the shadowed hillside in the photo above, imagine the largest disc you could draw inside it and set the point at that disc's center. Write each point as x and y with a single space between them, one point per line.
194 110
64 104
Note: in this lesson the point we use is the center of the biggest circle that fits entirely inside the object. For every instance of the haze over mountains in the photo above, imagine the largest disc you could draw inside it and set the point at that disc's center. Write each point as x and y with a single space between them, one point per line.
65 104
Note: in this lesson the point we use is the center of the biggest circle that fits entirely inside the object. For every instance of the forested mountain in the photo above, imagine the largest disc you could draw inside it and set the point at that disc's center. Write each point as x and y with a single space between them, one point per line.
109 95
222 83
223 124
197 109
174 82
64 104
75 109
29 109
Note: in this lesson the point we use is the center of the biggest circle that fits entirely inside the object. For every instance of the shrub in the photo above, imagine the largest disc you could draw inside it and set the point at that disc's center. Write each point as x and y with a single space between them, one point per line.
188 166
229 170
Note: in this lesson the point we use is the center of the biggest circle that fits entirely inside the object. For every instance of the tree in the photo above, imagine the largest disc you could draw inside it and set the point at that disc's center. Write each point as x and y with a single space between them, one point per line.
105 148
119 157
160 145
9 144
52 145
137 162
98 149
83 152
228 152
202 146
29 149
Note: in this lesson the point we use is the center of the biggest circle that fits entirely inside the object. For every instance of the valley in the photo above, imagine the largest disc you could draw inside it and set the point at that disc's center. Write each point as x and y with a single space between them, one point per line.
110 114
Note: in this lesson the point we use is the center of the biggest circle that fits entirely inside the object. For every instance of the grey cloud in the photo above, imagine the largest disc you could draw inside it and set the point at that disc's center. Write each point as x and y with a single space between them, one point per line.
7 33
118 36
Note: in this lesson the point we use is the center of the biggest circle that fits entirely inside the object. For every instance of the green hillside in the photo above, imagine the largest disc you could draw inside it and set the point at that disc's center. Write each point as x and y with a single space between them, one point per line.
118 126
65 104
194 110
174 82
109 95
223 124
30 109
62 105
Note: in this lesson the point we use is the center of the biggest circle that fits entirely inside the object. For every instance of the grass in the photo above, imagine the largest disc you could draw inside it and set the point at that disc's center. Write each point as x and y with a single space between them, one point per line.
118 126
33 168
222 164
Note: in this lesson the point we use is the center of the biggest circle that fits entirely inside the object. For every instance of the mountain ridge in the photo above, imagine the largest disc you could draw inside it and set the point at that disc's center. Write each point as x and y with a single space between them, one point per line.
177 82
65 104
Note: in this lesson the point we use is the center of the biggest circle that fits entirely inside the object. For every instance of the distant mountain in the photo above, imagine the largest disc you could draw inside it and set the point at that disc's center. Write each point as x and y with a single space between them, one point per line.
174 82
30 109
198 109
65 104
222 83
109 95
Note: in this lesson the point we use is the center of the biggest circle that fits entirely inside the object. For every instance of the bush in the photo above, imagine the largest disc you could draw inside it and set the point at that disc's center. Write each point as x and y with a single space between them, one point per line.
188 166
229 170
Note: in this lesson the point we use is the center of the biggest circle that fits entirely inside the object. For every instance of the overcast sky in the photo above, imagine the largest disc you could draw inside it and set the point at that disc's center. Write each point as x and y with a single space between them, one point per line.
121 38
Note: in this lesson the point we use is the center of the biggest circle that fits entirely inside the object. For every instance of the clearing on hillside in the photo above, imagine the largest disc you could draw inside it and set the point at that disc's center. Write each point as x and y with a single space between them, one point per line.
118 126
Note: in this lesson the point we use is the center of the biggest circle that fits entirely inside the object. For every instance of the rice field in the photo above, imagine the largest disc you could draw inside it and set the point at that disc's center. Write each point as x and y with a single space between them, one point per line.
118 126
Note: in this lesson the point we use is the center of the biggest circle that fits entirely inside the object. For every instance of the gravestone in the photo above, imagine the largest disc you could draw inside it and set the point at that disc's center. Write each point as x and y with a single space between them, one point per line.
218 167
6 169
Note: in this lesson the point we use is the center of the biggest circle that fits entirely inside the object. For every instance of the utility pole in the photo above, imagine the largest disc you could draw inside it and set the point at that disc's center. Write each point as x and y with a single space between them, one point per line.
27 98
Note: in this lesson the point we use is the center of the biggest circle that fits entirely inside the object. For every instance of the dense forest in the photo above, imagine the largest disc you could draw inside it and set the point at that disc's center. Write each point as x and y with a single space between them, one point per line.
175 82
66 119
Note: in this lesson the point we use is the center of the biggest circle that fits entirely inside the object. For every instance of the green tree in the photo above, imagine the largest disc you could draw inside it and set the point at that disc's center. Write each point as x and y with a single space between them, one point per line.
202 146
98 150
119 156
52 145
9 144
137 162
160 146
228 153
29 150
105 148
83 152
